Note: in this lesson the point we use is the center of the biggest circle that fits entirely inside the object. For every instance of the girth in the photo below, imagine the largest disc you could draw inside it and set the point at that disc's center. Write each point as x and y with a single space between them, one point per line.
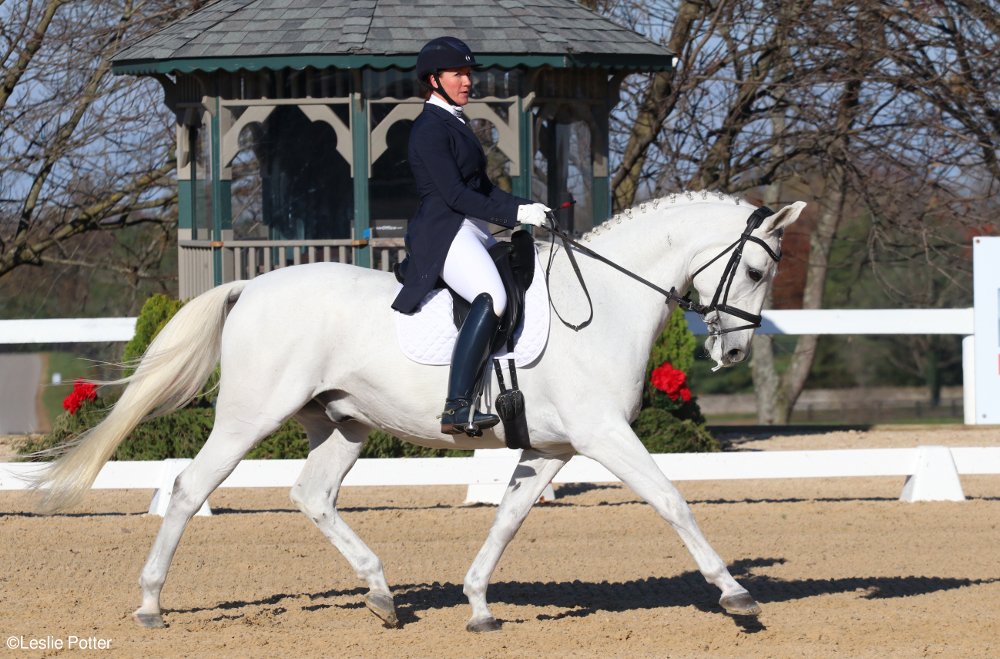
515 262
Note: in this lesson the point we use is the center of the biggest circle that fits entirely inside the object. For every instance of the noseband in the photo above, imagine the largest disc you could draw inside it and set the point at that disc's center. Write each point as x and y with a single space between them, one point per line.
720 301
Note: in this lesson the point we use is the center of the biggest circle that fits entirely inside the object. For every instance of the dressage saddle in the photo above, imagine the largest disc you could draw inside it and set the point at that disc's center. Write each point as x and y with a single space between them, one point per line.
515 261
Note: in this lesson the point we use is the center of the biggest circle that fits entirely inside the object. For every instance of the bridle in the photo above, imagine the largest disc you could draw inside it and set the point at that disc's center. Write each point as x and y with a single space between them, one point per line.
720 301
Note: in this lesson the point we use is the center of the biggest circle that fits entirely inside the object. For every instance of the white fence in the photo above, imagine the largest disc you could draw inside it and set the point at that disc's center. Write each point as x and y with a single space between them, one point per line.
795 321
959 322
822 321
931 472
66 330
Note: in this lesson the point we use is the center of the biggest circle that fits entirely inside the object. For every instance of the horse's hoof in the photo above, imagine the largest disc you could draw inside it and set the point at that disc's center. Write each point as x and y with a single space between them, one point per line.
740 604
488 625
149 620
383 607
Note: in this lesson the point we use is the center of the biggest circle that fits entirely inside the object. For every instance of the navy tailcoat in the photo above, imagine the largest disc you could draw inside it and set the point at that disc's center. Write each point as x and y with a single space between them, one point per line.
449 166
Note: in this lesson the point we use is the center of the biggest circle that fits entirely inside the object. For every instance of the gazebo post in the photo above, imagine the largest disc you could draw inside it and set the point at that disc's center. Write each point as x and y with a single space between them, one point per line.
359 172
600 188
525 127
222 201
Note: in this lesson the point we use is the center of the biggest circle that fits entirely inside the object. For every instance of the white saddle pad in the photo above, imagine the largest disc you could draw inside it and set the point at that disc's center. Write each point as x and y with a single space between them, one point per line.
427 336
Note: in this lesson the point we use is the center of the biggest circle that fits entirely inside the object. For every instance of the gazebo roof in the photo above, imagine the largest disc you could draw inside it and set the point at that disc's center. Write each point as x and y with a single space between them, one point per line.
231 35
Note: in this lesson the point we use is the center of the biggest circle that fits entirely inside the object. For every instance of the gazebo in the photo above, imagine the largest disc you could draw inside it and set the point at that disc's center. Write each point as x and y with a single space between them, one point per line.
293 118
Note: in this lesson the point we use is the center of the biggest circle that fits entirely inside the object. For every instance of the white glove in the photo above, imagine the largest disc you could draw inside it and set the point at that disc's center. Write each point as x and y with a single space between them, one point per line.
533 214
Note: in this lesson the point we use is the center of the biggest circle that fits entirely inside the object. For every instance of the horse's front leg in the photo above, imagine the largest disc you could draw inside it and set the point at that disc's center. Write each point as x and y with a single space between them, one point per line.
533 472
315 493
621 452
228 442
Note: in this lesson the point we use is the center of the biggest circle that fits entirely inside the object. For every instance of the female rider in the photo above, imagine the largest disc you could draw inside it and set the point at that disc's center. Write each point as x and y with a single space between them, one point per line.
449 235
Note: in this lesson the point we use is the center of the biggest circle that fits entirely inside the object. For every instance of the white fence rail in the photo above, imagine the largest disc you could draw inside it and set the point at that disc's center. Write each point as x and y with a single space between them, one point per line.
66 330
822 321
931 472
795 321
859 321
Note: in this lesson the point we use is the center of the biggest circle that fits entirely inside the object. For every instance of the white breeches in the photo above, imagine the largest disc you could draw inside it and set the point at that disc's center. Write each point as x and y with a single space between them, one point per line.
468 268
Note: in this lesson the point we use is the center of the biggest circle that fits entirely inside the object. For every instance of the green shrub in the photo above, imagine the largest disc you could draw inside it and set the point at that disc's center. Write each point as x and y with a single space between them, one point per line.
383 445
155 313
182 433
67 426
662 432
676 345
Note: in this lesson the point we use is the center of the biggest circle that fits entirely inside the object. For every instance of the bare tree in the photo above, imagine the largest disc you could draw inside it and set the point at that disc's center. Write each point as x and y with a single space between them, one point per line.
868 110
81 151
656 101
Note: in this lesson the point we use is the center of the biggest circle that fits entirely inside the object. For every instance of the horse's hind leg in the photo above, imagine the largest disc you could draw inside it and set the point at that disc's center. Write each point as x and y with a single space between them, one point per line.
231 438
621 452
315 493
533 472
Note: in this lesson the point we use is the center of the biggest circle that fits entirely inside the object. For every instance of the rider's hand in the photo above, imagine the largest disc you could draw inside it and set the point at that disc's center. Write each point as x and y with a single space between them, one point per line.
533 214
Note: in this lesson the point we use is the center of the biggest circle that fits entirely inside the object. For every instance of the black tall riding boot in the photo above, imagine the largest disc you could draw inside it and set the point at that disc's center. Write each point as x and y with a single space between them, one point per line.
472 348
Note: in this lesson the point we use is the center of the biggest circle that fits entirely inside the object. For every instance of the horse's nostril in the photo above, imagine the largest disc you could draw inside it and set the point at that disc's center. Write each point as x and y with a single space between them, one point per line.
735 354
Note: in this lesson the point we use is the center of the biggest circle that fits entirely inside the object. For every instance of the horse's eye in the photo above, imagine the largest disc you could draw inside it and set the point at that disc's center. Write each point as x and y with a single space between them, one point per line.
754 274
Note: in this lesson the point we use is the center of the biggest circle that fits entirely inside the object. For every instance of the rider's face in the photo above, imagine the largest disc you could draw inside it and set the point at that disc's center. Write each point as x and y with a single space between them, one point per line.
456 83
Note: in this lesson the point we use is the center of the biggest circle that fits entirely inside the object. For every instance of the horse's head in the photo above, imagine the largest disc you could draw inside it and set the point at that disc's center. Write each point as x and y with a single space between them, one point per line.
732 282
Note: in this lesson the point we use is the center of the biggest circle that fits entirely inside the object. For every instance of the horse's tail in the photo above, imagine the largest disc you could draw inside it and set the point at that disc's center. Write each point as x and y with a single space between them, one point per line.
171 372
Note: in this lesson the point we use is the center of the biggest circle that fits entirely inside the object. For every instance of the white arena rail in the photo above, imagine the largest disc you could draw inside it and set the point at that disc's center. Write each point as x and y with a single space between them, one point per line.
66 330
794 322
931 472
790 321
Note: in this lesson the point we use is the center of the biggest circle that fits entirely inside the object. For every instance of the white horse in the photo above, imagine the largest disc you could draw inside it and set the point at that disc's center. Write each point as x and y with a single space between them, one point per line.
317 342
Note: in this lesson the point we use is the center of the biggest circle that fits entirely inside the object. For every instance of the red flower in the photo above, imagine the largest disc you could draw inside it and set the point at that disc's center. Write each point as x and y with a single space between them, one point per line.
671 381
82 392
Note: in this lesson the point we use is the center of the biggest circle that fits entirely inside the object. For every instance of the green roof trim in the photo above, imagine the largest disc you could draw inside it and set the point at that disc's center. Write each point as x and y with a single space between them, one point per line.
381 62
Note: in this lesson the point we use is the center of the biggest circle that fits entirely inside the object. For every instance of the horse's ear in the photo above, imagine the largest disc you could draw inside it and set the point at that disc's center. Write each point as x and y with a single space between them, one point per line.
783 218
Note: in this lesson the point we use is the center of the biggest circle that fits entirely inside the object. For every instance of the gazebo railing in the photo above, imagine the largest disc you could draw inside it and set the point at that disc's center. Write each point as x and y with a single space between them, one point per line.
246 259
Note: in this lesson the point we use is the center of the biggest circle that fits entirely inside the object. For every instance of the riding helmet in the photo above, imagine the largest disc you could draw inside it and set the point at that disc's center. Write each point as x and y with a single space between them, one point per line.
443 53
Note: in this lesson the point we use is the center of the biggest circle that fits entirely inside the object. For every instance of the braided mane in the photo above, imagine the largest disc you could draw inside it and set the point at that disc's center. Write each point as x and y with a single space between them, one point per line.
683 198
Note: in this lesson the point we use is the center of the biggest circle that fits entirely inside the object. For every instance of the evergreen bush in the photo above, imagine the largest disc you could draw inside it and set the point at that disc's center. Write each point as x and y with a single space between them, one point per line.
154 314
182 433
662 432
670 420
675 344
383 445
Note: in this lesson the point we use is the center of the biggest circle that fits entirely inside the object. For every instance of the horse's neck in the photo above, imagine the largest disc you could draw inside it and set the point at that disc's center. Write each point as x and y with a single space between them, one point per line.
654 247
657 245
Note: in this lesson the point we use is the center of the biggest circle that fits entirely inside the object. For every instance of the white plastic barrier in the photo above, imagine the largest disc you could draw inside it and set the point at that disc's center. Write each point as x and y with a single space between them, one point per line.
791 321
66 330
794 322
961 322
931 472
491 493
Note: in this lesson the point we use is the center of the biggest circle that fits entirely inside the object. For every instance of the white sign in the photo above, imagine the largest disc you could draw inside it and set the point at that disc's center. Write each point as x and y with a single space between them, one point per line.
986 295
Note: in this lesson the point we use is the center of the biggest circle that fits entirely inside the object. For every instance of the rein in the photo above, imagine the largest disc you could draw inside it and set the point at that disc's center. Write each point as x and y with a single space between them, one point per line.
685 302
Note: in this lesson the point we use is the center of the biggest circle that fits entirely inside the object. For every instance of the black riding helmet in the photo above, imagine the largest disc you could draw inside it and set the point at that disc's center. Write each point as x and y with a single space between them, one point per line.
441 54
